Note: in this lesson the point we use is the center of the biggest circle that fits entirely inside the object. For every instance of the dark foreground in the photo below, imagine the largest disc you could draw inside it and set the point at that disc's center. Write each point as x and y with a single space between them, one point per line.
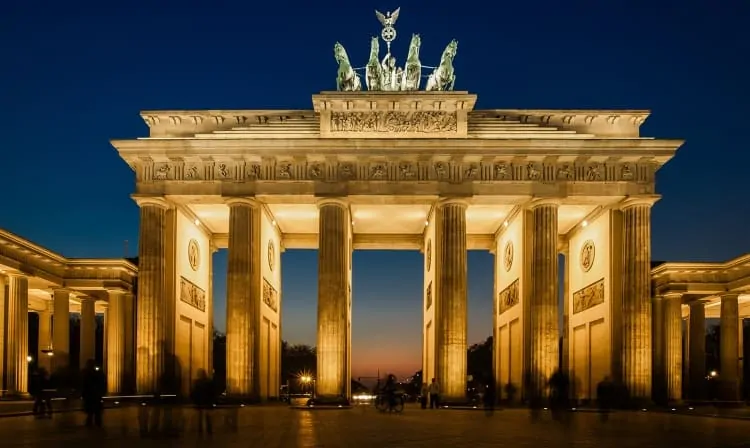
278 426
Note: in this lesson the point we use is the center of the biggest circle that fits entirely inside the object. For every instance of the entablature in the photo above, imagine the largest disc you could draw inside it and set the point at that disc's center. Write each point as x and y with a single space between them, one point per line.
702 279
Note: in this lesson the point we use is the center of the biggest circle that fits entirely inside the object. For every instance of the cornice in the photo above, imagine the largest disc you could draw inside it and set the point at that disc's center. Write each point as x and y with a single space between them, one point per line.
146 200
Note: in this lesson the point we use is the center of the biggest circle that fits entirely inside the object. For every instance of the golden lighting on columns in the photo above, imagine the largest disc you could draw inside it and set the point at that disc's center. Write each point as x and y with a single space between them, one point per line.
636 296
151 311
450 298
243 297
17 329
543 295
333 285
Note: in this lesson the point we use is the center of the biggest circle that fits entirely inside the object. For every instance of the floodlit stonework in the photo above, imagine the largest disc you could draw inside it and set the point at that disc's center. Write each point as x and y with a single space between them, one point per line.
34 279
413 171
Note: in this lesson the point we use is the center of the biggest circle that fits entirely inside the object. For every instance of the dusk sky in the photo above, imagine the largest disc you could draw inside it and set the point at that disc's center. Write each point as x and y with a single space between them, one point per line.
76 74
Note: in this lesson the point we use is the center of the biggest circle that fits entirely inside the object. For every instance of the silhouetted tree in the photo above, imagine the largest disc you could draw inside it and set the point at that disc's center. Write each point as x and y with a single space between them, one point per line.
220 360
479 361
295 360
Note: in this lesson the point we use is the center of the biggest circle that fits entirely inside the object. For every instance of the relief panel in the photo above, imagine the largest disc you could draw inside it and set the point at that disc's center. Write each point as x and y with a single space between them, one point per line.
508 297
191 294
588 297
270 296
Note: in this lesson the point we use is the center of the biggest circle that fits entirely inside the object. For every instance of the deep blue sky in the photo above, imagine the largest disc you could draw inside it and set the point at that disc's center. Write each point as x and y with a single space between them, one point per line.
76 74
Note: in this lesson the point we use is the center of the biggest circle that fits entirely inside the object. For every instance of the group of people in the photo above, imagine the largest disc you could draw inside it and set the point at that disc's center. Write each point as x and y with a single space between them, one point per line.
93 387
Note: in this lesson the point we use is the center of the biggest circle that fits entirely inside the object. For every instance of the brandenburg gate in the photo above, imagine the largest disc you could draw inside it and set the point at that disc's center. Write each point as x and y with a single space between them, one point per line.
395 167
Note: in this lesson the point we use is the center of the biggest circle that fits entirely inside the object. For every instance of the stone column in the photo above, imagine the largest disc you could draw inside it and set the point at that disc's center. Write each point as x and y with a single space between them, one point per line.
451 298
128 312
543 297
333 285
697 350
673 346
44 358
152 293
61 330
115 360
243 298
17 331
88 331
3 327
210 310
729 347
659 382
636 298
565 355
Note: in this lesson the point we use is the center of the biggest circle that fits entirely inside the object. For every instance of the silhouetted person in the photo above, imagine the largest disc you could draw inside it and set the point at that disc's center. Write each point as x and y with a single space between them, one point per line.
38 383
423 395
490 395
389 392
605 395
434 394
204 397
92 392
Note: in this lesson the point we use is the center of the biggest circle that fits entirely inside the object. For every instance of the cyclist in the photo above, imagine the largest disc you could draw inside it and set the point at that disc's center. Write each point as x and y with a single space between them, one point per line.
389 391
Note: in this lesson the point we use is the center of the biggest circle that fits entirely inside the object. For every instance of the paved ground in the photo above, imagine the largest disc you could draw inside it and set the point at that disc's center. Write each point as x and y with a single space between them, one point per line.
278 426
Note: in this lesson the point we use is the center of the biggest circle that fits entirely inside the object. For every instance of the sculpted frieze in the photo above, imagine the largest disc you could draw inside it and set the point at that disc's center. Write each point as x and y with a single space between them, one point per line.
508 298
394 122
192 294
395 170
588 297
270 296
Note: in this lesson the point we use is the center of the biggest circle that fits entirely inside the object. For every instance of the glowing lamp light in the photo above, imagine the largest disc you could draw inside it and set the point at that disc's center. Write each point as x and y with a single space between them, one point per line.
714 374
426 223
29 358
584 223
505 224
273 223
50 354
197 223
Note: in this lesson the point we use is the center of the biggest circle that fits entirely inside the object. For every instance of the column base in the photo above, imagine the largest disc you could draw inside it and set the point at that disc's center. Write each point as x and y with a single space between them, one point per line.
329 400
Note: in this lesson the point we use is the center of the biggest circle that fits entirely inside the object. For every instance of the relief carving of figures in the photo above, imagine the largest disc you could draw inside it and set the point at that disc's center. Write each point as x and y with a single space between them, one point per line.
429 297
192 294
594 172
191 172
508 298
407 171
315 171
378 172
533 172
441 170
223 171
346 171
502 171
162 172
284 170
627 172
394 122
270 296
588 297
253 171
470 172
565 172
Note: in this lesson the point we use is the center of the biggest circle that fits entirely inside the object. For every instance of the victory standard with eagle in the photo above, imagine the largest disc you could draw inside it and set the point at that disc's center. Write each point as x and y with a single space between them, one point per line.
384 75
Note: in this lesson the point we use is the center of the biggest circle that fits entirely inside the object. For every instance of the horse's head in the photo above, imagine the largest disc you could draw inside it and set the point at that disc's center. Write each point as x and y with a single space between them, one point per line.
374 47
450 50
340 53
416 42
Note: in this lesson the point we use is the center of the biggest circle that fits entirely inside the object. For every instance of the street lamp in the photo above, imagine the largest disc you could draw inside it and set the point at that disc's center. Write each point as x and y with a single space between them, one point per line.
29 358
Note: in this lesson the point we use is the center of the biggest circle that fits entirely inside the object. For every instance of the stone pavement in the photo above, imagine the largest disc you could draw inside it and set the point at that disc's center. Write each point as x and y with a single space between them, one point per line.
278 426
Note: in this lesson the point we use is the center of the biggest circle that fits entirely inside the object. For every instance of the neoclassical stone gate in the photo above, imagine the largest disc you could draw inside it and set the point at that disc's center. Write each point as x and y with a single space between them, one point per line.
399 170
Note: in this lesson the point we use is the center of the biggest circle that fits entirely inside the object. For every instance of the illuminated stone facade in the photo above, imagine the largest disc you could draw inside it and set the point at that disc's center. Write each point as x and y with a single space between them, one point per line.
36 280
414 171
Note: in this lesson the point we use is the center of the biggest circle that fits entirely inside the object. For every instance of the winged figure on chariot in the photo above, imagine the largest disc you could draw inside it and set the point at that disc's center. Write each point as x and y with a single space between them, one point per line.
385 74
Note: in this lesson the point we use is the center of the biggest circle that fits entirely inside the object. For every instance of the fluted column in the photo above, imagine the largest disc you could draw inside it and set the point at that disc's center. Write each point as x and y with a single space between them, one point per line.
451 298
565 355
729 353
697 350
3 327
151 313
543 296
44 360
673 346
17 331
88 331
115 342
333 294
636 298
128 322
243 298
61 330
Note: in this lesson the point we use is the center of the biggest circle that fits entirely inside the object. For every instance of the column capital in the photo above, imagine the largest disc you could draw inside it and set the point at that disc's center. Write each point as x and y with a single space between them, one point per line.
338 201
153 201
672 296
539 202
242 200
729 295
462 202
632 201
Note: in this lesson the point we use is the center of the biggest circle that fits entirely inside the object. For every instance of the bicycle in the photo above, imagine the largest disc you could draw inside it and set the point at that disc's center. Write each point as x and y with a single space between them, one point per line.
382 403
